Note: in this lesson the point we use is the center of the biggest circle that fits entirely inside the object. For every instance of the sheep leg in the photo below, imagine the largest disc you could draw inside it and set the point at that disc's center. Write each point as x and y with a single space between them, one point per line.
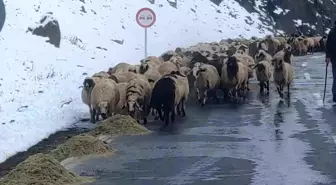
226 95
278 89
93 114
178 108
216 96
248 88
281 90
159 111
288 93
172 117
97 116
183 108
166 115
261 87
267 84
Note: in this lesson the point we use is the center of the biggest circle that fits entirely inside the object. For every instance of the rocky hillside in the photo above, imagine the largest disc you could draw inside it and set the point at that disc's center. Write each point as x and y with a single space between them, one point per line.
308 16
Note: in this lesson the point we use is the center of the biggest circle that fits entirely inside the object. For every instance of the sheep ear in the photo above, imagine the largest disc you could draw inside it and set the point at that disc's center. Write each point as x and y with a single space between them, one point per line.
202 69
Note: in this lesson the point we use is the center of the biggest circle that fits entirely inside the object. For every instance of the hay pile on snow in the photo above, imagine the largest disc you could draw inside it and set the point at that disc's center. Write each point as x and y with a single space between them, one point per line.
119 125
79 146
41 169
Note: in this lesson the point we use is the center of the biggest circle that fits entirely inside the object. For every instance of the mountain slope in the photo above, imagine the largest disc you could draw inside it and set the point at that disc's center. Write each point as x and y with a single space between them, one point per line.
311 17
40 83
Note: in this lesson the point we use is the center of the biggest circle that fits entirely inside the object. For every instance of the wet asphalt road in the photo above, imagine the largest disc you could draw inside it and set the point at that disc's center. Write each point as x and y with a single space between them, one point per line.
261 142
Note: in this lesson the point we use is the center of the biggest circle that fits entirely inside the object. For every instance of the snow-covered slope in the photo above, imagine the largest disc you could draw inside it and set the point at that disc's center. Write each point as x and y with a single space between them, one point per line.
40 84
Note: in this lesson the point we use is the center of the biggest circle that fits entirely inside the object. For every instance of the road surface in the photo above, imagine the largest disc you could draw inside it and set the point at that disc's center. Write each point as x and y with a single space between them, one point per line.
261 142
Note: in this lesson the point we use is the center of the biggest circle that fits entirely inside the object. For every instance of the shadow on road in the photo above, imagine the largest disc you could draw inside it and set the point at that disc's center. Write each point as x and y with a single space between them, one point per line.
2 14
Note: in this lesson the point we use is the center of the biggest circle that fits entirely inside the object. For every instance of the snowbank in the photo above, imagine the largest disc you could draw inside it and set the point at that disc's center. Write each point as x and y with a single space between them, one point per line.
40 84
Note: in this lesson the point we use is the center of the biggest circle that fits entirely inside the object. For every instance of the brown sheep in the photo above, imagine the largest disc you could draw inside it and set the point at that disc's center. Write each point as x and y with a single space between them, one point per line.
310 44
272 45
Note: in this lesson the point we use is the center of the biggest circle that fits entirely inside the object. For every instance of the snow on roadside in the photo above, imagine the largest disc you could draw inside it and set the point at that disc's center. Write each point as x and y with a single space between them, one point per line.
40 84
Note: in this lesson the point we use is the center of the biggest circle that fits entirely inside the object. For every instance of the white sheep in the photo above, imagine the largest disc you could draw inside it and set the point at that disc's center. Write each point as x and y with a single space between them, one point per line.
122 99
104 99
234 77
207 79
88 84
263 73
101 74
283 75
138 93
167 67
120 68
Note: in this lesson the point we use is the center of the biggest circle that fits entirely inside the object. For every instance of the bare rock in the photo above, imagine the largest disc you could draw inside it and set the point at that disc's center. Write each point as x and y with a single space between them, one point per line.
49 27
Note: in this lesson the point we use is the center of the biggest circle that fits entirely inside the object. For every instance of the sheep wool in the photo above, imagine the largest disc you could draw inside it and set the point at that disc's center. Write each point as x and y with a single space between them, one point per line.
263 73
138 93
104 99
262 55
283 75
207 79
234 76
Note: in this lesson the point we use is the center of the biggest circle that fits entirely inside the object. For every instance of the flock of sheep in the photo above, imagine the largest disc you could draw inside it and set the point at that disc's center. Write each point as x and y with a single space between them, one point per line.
160 85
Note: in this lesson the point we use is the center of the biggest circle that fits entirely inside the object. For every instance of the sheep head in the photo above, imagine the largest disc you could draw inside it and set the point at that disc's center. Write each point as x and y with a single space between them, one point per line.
185 70
232 67
88 83
260 67
132 69
241 52
103 109
166 57
109 71
175 61
200 70
259 54
132 105
278 63
143 67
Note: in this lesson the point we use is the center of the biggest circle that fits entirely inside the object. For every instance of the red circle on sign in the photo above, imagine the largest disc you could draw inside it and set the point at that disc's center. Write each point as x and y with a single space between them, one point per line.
153 20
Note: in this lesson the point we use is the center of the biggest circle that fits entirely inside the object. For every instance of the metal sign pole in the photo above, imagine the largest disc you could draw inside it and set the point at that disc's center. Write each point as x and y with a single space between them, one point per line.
145 42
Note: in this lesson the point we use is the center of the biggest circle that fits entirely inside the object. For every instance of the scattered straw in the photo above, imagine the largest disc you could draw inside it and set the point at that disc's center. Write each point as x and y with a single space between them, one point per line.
42 169
79 146
119 125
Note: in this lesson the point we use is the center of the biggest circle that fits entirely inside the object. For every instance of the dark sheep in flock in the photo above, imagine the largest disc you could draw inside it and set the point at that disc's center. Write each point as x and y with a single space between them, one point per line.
169 94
